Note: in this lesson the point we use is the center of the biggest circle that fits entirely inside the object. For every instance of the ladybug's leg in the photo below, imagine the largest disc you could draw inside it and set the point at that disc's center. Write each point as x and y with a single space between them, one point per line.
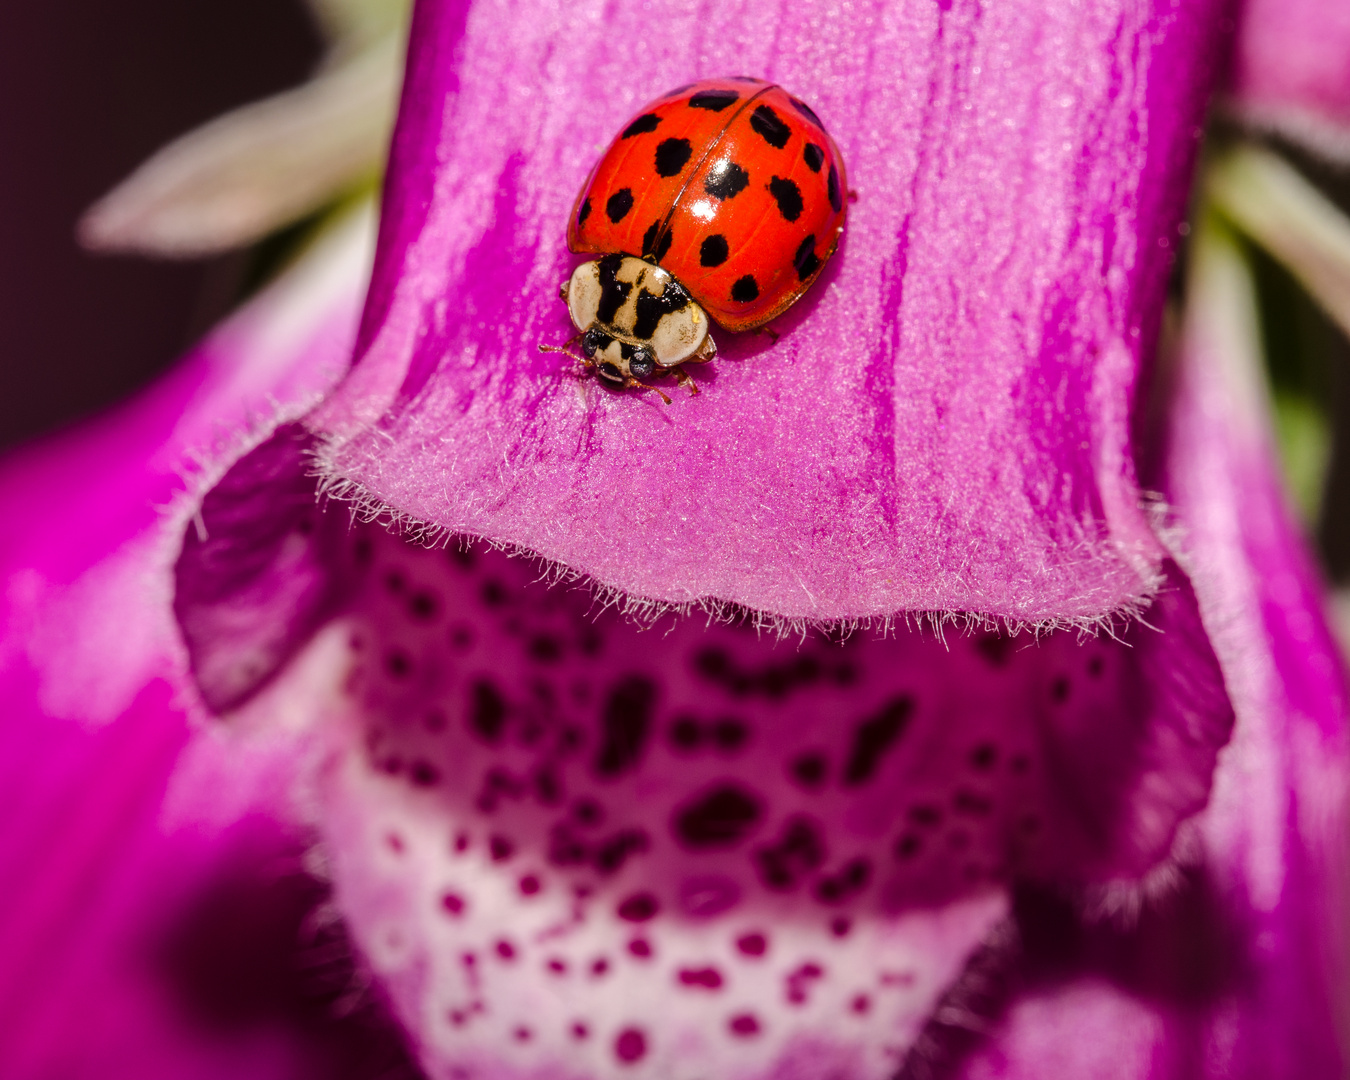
772 334
630 381
682 377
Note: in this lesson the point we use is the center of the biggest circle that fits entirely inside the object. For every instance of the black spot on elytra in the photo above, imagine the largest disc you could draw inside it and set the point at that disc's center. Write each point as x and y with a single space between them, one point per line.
713 251
745 289
788 196
797 852
810 770
651 309
639 907
806 261
613 292
656 243
874 737
625 726
814 156
671 156
641 126
714 100
487 711
584 212
846 883
726 180
618 205
832 187
767 123
806 110
719 818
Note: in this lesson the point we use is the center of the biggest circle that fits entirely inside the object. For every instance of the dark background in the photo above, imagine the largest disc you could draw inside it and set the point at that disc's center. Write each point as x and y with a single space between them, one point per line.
87 92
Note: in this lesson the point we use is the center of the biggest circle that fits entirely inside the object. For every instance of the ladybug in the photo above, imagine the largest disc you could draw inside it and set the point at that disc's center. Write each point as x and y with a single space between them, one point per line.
722 200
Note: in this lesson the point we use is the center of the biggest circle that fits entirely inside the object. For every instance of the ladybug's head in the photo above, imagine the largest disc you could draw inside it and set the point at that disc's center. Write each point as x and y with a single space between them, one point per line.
636 320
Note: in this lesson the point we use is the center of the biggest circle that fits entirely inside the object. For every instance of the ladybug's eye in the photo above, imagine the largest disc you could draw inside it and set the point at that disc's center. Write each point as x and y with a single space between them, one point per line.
641 363
594 341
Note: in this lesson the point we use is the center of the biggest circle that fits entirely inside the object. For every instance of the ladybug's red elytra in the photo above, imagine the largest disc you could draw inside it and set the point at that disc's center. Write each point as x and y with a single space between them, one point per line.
723 200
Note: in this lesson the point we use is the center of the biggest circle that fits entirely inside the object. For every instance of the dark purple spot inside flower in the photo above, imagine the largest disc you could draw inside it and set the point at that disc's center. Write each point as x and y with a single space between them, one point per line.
861 1004
730 734
984 757
641 948
453 903
973 803
599 967
587 812
630 1045
686 733
625 726
424 606
995 648
796 853
810 770
840 926
529 885
846 883
639 907
1059 690
557 966
434 720
545 648
908 846
501 847
506 950
744 1025
719 818
874 737
424 774
395 582
752 944
398 663
612 852
580 1031
487 711
708 978
925 815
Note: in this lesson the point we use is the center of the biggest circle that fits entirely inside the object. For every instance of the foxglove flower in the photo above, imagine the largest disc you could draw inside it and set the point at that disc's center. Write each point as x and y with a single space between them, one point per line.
569 845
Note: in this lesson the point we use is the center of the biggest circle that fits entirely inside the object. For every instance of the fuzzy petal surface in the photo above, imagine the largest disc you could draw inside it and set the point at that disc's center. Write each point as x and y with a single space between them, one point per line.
943 425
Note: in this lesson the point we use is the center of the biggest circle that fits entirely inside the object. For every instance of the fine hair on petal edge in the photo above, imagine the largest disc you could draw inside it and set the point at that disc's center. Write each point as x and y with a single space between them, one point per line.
647 612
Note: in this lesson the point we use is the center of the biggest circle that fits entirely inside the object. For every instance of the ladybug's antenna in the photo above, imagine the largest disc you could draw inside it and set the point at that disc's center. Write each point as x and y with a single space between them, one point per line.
565 351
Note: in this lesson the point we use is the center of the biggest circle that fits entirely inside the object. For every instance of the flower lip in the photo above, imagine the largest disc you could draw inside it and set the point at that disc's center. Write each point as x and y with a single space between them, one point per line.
942 427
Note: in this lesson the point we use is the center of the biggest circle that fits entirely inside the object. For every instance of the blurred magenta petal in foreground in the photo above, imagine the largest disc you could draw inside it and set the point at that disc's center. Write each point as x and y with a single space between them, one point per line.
1291 71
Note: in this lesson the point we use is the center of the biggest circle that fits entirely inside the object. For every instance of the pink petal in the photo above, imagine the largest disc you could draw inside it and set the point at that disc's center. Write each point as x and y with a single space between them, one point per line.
1255 930
93 878
944 425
